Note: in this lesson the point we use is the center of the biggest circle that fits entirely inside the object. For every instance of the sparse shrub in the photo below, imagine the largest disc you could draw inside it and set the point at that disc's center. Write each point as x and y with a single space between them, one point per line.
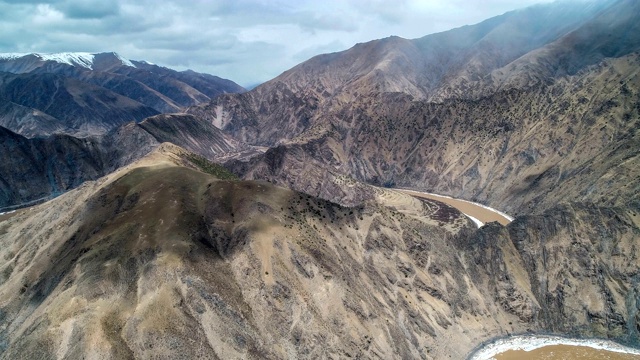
209 167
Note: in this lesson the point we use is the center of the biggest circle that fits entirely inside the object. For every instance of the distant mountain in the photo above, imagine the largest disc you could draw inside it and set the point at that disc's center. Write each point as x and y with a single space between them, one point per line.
78 107
145 86
470 62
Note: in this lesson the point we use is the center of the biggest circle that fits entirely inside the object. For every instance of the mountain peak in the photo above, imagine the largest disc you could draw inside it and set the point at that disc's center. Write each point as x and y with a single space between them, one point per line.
81 59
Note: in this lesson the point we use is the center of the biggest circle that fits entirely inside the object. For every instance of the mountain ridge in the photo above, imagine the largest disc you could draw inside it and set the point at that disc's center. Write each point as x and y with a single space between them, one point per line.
42 168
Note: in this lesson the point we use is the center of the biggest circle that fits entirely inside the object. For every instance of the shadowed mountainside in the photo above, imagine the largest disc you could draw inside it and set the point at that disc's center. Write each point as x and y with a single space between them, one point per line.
40 168
81 108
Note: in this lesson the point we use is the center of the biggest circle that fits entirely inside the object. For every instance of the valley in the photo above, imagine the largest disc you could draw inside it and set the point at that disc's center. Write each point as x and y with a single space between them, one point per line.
403 198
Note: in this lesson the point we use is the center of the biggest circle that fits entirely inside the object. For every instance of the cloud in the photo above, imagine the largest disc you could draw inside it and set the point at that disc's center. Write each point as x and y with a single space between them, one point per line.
248 41
312 51
47 15
88 9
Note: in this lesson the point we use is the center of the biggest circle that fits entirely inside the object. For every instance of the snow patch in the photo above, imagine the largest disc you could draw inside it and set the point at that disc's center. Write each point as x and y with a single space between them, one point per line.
529 343
82 59
12 56
125 62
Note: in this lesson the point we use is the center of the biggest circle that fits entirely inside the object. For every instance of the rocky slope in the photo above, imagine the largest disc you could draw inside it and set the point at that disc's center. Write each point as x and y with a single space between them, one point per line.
540 42
523 151
543 125
172 257
191 133
37 169
518 124
27 121
93 93
41 168
163 260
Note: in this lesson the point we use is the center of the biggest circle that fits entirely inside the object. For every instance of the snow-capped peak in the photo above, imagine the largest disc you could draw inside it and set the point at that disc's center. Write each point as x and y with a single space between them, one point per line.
82 59
75 58
12 56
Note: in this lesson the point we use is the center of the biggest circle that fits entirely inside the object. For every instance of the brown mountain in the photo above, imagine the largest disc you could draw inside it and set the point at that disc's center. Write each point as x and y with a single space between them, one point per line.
511 130
535 112
436 66
545 128
161 259
523 151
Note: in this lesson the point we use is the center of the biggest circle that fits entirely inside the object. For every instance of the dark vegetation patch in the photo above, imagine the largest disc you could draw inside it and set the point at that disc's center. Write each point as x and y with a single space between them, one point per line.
209 167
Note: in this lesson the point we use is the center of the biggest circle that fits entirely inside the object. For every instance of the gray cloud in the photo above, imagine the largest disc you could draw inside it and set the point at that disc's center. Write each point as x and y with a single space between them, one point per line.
248 41
88 9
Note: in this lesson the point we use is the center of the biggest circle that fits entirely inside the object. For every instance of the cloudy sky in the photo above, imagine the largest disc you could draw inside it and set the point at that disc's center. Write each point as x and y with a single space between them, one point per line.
248 41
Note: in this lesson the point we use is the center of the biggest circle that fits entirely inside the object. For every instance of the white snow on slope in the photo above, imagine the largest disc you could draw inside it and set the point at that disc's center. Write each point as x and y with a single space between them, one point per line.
12 56
125 62
82 59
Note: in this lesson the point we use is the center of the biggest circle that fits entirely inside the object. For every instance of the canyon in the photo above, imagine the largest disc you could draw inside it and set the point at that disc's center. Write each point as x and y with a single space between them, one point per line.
294 220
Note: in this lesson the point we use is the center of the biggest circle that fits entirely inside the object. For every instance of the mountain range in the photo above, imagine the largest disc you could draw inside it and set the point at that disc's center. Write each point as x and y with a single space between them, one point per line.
191 218
90 94
510 133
